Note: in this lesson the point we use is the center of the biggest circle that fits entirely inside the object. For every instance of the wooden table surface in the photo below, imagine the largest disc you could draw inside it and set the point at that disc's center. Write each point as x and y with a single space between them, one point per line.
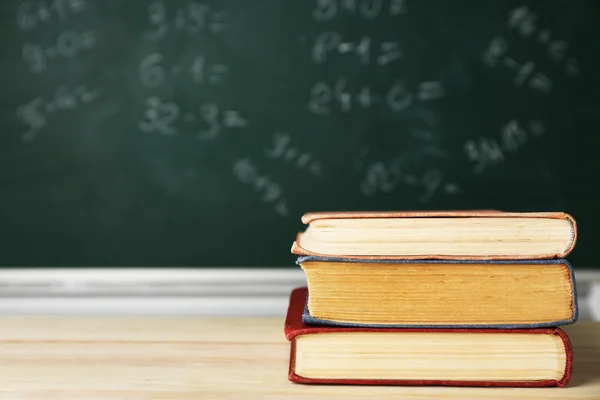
89 358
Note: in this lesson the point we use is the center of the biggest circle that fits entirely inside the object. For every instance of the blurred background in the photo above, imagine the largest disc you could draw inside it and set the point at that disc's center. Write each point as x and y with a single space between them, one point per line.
156 156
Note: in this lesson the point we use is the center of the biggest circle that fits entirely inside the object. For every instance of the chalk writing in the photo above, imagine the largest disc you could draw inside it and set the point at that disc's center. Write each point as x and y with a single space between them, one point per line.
191 19
389 52
162 117
398 97
327 10
209 120
35 12
525 73
213 73
68 45
35 113
487 152
333 43
497 47
282 150
430 90
385 177
159 117
524 21
215 121
271 192
343 95
153 74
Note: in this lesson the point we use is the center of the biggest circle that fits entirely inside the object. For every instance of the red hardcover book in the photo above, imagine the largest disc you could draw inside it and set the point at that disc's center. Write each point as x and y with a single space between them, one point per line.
412 356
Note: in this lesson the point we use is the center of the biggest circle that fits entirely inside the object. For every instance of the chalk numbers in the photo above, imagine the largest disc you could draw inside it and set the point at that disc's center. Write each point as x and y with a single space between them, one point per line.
524 21
162 117
33 13
486 152
283 150
366 51
35 113
324 97
343 95
153 73
31 114
528 72
157 18
385 177
270 191
191 19
210 114
68 45
159 117
327 10
206 121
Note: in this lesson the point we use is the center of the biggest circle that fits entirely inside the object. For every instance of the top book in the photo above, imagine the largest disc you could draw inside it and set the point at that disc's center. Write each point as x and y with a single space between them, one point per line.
441 235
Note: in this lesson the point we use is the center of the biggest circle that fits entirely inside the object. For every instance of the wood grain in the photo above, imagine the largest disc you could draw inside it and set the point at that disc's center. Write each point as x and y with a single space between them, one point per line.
89 358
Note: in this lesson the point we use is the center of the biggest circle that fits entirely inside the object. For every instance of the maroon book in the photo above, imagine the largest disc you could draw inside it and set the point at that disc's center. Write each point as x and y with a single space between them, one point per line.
295 329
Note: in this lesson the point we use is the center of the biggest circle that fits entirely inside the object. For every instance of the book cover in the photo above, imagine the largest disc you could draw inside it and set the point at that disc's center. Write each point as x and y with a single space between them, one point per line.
295 328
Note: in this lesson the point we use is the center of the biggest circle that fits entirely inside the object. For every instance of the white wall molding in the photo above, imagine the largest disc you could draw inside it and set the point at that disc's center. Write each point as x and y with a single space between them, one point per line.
177 291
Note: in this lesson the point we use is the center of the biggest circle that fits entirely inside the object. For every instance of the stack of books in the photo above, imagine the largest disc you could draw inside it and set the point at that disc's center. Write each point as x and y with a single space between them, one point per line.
433 298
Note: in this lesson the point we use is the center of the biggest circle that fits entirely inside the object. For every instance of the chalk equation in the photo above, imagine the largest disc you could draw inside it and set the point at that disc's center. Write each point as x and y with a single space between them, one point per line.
191 19
327 10
282 149
528 72
328 43
270 191
207 123
35 113
34 13
486 152
153 73
524 73
208 120
385 177
524 21
68 45
324 98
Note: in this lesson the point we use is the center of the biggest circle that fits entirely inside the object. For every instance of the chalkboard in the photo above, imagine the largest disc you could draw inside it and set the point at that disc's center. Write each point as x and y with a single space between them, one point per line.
196 133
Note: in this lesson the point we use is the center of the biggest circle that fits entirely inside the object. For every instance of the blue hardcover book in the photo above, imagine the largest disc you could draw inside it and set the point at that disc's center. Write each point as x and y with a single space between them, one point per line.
507 294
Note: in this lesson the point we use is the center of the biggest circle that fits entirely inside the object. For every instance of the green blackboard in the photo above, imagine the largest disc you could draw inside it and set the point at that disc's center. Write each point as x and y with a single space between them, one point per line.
196 133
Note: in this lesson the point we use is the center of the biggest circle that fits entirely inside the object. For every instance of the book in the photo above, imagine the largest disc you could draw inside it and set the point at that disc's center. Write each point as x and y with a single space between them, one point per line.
439 293
477 235
416 356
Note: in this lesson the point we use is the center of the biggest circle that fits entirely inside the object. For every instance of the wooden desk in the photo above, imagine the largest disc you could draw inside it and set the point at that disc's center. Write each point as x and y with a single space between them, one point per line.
87 358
